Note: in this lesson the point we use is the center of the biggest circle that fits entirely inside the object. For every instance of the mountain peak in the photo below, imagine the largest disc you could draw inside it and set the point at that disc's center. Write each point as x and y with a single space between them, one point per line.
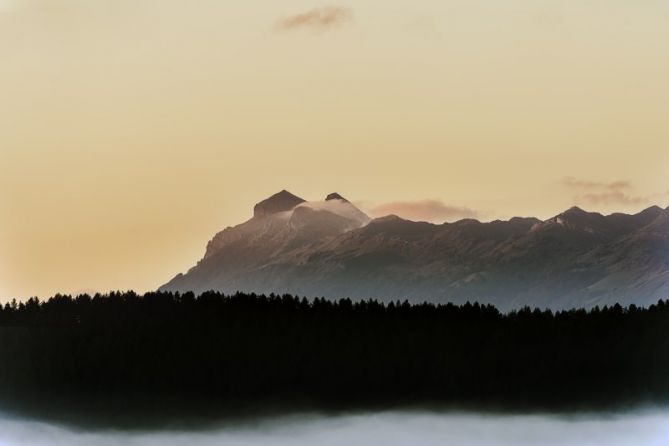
340 206
653 211
577 215
574 218
335 196
388 218
575 210
279 202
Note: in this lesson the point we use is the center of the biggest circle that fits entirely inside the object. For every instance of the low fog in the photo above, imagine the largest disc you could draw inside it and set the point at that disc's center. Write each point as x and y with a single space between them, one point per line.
646 428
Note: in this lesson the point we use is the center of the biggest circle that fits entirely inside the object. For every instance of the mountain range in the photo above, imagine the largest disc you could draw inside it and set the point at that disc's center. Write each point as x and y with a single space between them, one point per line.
332 249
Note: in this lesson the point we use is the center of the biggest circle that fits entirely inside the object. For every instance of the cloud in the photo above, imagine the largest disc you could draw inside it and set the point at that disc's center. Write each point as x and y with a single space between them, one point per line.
317 19
613 193
424 210
576 183
613 197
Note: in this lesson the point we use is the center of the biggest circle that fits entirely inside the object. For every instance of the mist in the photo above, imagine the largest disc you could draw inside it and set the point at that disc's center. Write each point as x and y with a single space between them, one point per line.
648 428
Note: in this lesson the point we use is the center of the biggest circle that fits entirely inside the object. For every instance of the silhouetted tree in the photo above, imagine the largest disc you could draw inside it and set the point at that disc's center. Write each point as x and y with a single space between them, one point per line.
247 348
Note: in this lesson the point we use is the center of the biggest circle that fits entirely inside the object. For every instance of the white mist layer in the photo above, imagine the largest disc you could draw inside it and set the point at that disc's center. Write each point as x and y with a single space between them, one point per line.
339 207
388 429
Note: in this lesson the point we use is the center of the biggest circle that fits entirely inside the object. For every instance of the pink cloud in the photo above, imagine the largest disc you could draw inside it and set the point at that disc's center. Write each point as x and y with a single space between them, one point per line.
424 210
319 19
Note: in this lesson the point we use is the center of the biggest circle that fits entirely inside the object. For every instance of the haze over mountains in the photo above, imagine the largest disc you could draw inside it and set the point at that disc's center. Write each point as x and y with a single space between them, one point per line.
332 249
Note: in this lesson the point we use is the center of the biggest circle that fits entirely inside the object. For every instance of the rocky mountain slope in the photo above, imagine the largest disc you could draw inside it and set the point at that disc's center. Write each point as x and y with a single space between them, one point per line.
332 249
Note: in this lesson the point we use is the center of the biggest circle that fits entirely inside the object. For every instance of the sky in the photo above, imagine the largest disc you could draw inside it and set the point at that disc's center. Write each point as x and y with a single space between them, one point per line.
133 130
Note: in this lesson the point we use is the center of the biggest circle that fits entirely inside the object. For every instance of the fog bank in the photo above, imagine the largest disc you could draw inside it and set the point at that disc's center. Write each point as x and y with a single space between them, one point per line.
647 428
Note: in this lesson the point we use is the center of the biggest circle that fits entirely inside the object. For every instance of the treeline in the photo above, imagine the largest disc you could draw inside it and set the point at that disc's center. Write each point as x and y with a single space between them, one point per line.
224 351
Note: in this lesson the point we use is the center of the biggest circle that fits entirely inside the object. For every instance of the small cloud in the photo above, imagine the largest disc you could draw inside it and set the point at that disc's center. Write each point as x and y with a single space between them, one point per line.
576 183
317 19
424 210
613 193
613 197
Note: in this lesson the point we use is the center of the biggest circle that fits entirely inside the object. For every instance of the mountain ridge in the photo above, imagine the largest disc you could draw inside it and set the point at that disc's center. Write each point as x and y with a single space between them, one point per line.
332 249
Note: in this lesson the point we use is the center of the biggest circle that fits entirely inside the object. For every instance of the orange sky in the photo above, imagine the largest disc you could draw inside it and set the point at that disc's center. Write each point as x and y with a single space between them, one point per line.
131 131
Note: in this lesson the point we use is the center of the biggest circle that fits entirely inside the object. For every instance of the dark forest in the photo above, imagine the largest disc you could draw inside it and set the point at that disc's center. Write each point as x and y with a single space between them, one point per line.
123 351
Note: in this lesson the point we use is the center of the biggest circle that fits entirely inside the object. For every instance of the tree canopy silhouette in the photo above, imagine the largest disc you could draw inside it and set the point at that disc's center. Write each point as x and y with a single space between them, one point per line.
254 349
